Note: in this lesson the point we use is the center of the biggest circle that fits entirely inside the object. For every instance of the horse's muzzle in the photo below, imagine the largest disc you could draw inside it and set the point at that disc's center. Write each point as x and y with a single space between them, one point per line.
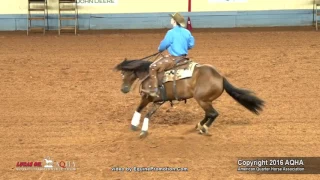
125 89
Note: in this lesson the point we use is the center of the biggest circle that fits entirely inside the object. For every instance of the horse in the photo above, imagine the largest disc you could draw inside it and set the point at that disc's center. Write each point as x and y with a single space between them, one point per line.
205 85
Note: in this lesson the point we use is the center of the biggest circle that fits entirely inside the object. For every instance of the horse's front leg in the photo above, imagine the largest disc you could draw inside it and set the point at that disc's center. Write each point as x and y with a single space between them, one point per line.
135 121
145 125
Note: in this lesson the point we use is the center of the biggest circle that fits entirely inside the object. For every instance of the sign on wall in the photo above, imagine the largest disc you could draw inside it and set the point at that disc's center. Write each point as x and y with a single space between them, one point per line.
97 2
226 1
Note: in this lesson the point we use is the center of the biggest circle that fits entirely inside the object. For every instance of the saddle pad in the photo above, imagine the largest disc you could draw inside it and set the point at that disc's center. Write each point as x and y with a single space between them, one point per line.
181 73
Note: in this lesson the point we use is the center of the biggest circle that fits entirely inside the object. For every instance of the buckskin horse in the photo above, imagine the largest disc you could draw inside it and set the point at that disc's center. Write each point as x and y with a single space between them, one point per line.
186 80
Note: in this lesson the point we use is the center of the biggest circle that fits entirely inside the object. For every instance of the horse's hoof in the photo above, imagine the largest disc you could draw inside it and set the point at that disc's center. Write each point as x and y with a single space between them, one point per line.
134 128
198 126
143 134
204 130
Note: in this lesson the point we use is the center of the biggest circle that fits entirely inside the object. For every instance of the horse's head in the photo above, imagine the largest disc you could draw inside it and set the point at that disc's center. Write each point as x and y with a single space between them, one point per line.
129 72
128 78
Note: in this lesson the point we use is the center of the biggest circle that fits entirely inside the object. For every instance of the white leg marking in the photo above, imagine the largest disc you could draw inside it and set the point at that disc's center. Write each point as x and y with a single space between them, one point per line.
199 127
206 129
145 124
136 118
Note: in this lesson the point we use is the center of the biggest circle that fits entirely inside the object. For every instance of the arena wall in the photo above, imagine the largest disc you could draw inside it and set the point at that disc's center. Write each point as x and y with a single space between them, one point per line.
146 14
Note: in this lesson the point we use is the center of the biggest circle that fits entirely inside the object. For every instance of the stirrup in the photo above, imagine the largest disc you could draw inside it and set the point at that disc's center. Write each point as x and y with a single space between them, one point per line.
153 94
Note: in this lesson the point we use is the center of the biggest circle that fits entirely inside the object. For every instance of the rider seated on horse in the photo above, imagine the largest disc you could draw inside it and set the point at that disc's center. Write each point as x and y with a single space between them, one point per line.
177 41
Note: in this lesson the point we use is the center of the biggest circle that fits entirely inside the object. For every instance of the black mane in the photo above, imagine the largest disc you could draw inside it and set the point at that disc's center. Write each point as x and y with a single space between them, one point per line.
133 65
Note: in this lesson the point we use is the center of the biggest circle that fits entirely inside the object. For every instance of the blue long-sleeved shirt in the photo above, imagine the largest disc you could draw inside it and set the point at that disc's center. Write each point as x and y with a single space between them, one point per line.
178 41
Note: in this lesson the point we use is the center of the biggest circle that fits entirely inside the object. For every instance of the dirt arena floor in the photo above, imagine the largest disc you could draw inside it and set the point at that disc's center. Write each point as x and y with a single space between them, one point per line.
61 98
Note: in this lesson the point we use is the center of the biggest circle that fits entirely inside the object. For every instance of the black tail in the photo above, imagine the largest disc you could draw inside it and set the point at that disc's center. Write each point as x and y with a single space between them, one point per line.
244 97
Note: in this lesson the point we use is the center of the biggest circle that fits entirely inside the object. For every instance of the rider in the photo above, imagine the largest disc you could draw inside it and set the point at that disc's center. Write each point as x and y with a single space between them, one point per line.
177 41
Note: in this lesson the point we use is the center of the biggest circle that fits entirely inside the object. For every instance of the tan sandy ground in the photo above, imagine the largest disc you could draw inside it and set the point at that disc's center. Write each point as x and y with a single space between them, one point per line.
60 98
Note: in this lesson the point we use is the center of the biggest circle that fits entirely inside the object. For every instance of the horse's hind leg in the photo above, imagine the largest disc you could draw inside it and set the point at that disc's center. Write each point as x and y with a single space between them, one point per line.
211 115
135 121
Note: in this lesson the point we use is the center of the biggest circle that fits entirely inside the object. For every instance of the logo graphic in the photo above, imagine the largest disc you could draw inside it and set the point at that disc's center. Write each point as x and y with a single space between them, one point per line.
49 164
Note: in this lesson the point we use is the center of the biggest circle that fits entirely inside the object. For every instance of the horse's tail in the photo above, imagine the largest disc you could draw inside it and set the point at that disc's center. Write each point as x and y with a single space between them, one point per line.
244 97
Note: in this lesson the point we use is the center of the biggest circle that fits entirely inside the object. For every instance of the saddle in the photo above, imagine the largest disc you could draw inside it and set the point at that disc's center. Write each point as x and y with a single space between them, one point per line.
183 68
166 76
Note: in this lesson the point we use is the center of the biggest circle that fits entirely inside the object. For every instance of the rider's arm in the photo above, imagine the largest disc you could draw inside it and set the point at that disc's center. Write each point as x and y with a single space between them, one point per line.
191 42
166 42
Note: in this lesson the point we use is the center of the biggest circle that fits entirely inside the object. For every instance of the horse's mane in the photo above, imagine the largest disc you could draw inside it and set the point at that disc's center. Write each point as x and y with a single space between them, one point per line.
133 65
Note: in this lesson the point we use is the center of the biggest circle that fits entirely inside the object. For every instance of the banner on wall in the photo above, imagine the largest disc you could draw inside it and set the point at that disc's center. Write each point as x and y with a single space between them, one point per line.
97 2
227 1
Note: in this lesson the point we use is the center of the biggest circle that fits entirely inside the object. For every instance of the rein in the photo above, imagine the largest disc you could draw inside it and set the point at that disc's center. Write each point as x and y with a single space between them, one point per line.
141 81
152 55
